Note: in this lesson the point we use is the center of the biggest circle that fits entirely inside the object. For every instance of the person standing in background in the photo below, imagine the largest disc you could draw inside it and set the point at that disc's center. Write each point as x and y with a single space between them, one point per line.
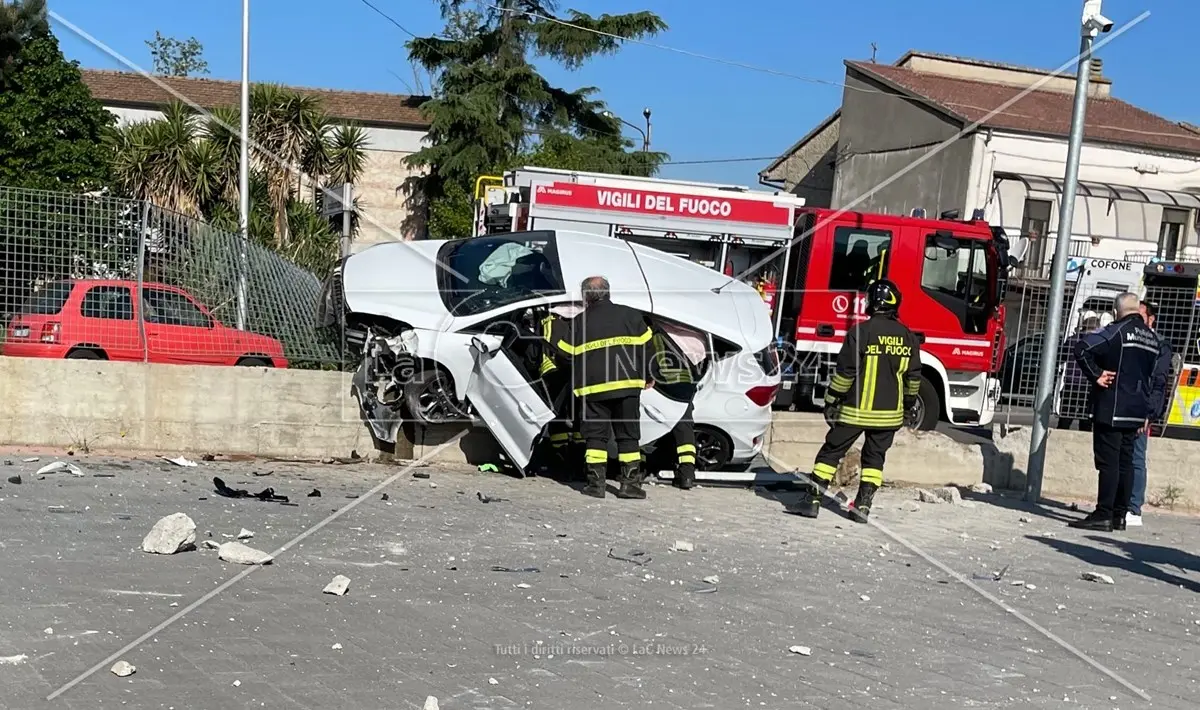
1158 407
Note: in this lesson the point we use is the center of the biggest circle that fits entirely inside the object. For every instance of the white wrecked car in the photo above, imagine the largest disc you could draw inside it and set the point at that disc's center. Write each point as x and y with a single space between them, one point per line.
431 321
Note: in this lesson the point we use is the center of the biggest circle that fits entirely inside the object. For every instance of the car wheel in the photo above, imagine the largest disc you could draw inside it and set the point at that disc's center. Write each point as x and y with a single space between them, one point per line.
84 354
927 411
714 450
430 399
253 362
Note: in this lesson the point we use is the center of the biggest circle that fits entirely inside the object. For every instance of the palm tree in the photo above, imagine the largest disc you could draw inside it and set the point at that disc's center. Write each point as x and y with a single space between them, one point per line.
282 123
159 161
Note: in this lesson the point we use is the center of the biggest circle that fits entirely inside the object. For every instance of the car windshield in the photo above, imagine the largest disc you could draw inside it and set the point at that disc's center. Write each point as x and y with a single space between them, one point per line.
486 273
49 300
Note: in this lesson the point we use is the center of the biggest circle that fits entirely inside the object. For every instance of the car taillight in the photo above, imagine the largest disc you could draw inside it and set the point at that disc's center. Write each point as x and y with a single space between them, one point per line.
50 332
762 395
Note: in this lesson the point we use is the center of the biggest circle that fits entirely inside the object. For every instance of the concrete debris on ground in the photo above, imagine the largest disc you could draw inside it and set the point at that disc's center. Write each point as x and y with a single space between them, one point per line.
800 650
60 466
244 534
431 703
13 660
122 669
493 681
1025 519
336 647
984 488
948 494
712 579
339 586
172 534
212 544
683 546
32 459
926 496
181 461
240 554
910 506
1097 577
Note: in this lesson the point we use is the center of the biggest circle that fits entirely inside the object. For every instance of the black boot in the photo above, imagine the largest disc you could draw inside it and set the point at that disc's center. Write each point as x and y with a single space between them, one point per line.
685 477
597 474
860 509
1119 522
809 505
1098 523
631 482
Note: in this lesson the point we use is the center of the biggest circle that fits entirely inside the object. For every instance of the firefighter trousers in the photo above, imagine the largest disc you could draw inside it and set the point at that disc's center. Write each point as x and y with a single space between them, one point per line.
684 438
838 441
618 418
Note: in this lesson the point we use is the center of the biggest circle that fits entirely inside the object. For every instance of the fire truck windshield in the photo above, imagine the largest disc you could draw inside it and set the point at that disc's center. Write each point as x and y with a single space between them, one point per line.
957 274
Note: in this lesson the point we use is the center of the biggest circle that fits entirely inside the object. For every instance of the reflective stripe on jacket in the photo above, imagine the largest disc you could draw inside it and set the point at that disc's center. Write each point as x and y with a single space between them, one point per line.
607 346
668 365
878 367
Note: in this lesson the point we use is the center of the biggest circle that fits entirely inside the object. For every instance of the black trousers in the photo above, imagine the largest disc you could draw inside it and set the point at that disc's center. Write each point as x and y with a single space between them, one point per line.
684 437
838 441
1113 449
620 418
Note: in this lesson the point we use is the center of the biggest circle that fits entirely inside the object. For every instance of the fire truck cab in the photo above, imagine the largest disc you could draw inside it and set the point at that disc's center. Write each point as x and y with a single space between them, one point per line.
812 267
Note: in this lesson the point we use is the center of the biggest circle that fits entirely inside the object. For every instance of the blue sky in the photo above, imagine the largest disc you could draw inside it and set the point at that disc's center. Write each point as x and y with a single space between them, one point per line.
702 111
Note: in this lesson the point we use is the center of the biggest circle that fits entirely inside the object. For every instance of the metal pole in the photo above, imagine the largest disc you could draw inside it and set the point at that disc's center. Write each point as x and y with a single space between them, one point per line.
1058 279
347 201
141 279
244 171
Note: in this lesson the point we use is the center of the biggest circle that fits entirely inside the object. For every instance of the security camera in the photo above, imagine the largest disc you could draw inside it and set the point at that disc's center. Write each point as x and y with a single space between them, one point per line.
1097 23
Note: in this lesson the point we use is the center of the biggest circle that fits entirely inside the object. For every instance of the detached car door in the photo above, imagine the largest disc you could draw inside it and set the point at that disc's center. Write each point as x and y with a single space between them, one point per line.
505 399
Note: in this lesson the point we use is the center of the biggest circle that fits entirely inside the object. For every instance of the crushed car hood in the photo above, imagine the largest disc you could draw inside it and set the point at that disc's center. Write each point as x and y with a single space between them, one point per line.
397 280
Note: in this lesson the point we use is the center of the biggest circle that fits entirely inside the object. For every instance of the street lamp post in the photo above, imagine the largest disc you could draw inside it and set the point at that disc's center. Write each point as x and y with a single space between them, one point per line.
1093 24
244 172
645 134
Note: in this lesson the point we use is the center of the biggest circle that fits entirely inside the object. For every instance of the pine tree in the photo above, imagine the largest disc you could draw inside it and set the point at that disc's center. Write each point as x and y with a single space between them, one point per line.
491 108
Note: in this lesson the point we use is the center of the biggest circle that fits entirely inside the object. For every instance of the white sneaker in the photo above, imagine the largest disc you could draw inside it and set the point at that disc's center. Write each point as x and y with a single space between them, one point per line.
1133 521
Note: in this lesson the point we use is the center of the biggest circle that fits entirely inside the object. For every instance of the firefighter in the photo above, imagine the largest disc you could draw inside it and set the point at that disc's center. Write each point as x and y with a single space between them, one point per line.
671 369
565 437
607 344
875 383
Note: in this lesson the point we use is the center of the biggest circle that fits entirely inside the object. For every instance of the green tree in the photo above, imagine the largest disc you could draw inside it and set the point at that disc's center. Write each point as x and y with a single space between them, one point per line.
491 108
174 57
51 128
19 20
189 164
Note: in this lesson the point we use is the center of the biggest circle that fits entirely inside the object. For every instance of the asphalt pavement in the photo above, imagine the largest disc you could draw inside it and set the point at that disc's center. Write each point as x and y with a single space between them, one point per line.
490 592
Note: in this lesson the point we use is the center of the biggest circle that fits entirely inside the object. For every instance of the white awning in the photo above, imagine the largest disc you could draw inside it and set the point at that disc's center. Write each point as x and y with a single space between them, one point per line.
1106 191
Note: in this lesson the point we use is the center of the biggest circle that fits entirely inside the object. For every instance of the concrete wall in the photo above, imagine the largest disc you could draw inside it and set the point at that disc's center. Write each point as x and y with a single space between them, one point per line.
880 135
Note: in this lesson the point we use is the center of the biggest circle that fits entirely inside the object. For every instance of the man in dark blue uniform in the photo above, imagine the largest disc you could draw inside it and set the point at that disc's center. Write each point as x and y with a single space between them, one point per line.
1124 363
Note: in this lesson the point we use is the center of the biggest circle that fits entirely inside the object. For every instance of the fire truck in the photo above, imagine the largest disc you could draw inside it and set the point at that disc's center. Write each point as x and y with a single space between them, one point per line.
811 265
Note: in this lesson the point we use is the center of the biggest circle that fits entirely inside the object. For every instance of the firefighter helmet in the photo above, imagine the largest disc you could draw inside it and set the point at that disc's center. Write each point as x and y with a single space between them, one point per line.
883 298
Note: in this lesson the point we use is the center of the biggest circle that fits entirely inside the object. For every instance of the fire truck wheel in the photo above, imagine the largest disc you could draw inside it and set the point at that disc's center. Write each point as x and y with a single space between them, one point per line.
928 410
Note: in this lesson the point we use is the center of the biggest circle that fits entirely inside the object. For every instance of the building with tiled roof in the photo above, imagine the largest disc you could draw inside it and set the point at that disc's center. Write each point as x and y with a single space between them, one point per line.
394 124
956 134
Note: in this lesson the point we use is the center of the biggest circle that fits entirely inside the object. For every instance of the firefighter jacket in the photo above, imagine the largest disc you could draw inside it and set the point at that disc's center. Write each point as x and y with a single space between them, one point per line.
1141 362
607 347
878 368
668 365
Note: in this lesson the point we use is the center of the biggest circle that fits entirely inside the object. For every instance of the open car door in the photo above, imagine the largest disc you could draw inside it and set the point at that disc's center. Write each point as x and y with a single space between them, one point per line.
505 399
660 414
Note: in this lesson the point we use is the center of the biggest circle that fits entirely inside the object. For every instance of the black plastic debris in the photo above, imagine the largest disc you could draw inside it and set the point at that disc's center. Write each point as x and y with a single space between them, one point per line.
261 473
267 495
352 496
637 557
104 475
498 568
420 474
490 499
315 493
384 497
14 479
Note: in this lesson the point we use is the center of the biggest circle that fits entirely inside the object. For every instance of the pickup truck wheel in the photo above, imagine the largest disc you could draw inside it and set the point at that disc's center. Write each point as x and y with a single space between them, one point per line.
925 414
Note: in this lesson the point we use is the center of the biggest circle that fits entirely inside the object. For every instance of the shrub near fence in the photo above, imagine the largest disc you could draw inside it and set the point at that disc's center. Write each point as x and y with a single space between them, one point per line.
47 237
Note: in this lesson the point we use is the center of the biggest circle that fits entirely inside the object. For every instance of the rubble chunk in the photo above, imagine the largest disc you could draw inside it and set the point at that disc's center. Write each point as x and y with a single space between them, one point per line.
984 488
431 703
245 534
683 546
928 496
910 506
1097 577
948 494
172 534
240 554
60 466
712 579
122 669
339 586
800 650
212 544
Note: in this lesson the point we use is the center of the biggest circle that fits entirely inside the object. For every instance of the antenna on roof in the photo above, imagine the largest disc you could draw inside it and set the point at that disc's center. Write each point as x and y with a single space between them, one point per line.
874 49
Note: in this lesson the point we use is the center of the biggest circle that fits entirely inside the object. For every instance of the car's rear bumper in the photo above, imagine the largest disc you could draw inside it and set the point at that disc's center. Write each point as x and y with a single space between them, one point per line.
17 348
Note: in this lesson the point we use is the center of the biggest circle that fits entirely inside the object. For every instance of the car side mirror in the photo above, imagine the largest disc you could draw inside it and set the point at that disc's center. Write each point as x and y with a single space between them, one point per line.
479 346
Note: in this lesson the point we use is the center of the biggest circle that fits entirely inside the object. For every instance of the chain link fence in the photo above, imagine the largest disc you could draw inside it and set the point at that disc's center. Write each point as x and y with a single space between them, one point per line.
96 277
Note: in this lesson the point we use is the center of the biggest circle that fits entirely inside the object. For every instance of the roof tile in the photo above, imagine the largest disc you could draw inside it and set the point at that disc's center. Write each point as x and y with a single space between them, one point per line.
136 91
1044 112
